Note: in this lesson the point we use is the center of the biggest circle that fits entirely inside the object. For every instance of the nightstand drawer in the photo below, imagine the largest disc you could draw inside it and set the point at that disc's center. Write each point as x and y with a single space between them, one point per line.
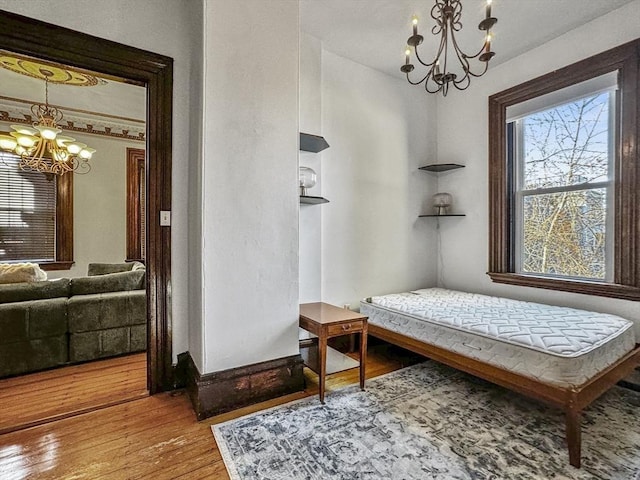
344 328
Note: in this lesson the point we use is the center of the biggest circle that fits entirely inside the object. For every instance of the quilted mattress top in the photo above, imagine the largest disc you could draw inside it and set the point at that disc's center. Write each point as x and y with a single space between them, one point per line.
561 331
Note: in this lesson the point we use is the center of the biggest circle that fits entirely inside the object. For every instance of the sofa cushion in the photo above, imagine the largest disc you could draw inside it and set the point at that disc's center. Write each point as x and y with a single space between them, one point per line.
22 292
33 355
21 272
110 282
106 324
106 268
22 321
107 310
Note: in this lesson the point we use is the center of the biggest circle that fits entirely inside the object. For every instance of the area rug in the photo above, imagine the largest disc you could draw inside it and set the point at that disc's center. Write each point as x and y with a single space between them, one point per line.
430 422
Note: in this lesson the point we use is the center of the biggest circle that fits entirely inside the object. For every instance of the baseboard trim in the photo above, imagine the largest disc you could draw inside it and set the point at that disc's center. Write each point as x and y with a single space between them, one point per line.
219 392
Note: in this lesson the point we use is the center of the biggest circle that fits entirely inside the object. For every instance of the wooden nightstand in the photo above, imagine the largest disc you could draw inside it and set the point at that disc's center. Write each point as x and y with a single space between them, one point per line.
327 321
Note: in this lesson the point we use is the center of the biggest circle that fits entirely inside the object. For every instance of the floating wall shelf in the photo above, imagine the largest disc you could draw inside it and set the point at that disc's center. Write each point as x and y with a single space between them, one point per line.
312 143
308 200
441 167
446 215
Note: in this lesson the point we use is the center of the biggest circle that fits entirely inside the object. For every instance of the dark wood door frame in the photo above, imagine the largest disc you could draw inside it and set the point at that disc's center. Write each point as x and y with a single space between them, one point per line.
27 36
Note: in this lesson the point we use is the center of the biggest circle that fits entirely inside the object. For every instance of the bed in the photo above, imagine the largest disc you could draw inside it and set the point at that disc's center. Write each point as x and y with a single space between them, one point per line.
565 357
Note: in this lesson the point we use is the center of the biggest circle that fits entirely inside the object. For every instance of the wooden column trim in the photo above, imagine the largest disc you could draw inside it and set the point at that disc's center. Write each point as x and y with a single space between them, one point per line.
219 392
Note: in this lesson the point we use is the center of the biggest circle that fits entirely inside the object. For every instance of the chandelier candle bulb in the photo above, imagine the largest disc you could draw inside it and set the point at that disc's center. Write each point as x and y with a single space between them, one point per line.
489 8
414 21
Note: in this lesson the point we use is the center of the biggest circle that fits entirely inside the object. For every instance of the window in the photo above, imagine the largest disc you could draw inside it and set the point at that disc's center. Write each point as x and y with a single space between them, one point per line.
36 216
564 179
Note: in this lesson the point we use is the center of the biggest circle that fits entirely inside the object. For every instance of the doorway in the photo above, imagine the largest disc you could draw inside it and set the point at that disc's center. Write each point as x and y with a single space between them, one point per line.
33 38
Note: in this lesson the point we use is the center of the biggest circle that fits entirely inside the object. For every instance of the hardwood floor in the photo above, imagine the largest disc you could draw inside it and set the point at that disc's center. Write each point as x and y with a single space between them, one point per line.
38 398
150 438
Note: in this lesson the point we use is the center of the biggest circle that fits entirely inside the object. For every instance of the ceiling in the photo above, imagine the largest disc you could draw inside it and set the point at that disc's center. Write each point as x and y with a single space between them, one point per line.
90 103
374 32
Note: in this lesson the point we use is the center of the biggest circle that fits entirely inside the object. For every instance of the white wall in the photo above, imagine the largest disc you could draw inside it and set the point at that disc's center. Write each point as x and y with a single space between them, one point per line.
249 181
380 130
100 206
462 137
168 27
310 242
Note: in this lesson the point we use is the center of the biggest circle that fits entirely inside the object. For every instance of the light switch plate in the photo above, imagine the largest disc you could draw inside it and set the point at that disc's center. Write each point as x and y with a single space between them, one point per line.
165 218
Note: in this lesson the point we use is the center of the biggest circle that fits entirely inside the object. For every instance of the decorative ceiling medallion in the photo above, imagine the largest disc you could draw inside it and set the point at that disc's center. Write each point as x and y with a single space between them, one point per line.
54 73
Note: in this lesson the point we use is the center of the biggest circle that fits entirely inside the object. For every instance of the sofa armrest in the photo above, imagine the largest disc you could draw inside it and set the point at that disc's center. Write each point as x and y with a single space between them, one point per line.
23 292
111 282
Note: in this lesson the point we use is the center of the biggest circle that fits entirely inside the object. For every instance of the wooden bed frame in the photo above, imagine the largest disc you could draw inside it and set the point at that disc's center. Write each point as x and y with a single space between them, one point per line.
571 400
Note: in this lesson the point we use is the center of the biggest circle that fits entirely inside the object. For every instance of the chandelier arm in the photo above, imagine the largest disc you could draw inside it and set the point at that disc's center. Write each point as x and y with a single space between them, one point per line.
431 81
456 15
419 81
480 52
438 54
462 58
445 37
426 87
80 165
463 83
477 75
415 50
439 89
437 28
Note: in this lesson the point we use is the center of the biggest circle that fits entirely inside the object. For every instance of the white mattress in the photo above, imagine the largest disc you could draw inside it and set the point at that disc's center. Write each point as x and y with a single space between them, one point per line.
558 345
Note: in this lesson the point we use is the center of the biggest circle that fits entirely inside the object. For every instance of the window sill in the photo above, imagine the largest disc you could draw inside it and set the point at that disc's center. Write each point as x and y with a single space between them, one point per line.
612 290
56 265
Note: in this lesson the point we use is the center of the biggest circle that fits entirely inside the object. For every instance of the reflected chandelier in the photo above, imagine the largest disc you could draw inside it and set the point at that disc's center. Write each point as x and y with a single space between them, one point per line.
447 15
41 148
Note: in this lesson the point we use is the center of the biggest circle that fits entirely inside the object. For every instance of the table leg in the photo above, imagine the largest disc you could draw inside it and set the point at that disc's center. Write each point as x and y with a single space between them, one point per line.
363 356
322 353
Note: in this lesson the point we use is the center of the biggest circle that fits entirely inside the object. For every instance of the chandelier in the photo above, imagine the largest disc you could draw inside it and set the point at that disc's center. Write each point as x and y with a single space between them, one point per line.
41 148
440 74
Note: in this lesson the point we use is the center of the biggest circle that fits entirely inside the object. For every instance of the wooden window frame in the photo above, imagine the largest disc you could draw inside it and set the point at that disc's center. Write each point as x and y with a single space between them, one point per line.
64 225
135 174
626 282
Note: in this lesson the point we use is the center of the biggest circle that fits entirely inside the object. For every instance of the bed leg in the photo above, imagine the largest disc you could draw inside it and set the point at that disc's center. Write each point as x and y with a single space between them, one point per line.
573 433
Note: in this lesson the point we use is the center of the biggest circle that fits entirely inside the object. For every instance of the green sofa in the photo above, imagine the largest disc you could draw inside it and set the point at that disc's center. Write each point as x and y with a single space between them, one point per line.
65 321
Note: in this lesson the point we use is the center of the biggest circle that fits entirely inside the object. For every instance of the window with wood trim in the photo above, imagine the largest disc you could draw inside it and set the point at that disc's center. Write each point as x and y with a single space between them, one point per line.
564 179
136 205
36 216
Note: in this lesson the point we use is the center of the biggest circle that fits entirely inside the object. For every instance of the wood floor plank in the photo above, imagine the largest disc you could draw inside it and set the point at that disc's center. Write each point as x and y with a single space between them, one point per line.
134 361
153 438
43 397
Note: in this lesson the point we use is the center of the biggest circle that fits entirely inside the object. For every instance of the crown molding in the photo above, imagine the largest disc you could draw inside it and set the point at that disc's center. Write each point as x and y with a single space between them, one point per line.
14 110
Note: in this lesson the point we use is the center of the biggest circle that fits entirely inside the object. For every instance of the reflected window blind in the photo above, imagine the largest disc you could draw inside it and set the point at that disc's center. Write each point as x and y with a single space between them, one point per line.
27 213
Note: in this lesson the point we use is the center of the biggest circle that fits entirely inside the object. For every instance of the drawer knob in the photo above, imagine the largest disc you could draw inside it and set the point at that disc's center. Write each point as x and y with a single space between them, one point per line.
346 327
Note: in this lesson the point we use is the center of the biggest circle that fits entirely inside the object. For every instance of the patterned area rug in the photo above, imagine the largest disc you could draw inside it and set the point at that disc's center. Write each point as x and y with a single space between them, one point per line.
430 422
